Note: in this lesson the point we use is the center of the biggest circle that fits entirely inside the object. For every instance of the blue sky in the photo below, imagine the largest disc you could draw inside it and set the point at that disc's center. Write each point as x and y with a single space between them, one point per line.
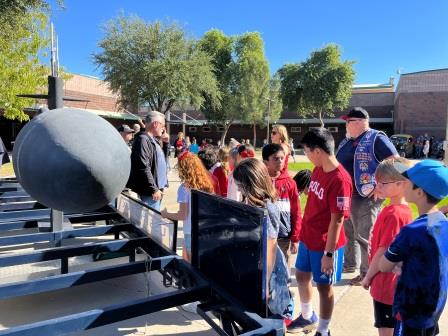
381 36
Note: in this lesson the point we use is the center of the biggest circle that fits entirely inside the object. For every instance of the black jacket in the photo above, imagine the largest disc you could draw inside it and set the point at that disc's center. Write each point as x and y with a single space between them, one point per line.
143 177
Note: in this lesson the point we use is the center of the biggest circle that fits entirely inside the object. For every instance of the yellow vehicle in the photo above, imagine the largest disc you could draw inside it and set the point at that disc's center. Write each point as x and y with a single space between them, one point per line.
404 143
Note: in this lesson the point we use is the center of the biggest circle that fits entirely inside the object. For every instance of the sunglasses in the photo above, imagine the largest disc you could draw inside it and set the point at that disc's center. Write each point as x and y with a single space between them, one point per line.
352 120
273 132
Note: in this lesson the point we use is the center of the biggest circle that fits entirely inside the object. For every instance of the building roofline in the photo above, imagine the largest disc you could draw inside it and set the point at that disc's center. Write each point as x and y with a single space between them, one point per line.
423 71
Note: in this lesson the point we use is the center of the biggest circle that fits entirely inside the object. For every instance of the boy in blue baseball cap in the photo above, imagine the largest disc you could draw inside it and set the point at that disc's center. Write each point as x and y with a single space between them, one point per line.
421 249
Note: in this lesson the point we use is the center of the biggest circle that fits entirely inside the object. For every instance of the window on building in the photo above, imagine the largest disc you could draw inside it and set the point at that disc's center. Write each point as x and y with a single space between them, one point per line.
192 129
205 129
296 129
333 129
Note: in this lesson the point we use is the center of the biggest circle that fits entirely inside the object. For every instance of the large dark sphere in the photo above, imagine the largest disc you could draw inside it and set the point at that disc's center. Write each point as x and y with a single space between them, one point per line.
71 160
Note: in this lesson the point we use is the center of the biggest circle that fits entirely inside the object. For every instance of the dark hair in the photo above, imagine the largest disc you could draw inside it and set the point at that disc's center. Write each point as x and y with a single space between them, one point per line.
208 156
270 149
319 138
246 151
303 179
430 199
252 178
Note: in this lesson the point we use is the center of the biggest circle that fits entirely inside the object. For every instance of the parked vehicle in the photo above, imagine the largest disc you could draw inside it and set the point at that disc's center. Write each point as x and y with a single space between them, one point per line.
404 143
437 150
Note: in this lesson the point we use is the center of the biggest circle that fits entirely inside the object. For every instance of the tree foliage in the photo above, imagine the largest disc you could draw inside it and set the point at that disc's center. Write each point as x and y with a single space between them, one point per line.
242 72
319 85
155 64
20 68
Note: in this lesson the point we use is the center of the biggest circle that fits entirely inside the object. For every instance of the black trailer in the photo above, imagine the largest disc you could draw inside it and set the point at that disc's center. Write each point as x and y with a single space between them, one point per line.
227 274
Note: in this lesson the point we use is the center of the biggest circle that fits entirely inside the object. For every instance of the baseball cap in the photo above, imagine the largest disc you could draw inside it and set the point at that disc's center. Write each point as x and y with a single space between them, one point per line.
357 112
431 176
125 129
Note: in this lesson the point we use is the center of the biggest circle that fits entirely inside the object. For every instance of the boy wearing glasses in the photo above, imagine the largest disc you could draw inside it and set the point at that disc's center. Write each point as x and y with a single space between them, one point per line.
421 250
390 184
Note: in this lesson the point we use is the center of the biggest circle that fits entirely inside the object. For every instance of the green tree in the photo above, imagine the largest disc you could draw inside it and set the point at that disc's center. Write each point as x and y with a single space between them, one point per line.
219 47
242 71
319 85
20 67
155 64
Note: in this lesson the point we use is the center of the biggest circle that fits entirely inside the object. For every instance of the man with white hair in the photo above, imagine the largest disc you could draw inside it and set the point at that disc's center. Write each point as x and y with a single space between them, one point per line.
148 175
360 153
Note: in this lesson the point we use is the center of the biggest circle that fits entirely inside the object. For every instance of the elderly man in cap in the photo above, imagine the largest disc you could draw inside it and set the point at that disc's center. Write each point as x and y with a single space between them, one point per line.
126 133
360 153
148 175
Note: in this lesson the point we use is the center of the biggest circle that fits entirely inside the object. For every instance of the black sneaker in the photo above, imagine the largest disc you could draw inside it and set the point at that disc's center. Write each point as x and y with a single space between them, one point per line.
302 325
319 334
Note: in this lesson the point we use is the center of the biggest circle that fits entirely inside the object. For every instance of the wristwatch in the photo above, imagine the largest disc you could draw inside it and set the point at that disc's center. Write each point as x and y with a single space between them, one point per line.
328 254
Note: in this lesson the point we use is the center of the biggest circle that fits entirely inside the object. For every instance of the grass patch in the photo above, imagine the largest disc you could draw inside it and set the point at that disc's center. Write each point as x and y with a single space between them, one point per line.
296 166
7 170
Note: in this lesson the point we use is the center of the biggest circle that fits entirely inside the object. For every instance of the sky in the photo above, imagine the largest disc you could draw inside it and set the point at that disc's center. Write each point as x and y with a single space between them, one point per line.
381 36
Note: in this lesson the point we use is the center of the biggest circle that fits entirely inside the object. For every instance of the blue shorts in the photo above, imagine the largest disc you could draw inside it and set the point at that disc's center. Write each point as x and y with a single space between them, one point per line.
310 261
187 242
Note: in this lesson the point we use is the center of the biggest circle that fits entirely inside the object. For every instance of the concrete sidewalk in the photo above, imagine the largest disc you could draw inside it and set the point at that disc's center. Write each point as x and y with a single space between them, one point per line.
353 314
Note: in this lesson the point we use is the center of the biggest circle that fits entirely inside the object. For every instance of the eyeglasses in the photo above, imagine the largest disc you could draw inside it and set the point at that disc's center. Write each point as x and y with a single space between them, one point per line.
384 183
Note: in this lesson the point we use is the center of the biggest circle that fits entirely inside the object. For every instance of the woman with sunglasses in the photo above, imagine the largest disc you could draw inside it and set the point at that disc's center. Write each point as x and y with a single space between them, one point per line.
279 135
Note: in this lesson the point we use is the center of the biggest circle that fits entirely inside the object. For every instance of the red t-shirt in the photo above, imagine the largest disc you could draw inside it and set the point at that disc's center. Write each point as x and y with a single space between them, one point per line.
221 176
389 222
328 193
215 184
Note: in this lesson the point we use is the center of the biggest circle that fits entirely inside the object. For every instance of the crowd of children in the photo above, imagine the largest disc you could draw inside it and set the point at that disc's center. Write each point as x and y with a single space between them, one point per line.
408 260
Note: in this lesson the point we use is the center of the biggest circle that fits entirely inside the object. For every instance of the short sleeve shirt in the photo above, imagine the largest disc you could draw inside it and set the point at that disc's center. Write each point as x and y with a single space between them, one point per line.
328 193
418 287
383 148
388 224
184 196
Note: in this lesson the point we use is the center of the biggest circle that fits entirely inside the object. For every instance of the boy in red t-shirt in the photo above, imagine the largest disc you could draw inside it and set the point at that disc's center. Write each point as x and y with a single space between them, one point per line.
322 237
390 184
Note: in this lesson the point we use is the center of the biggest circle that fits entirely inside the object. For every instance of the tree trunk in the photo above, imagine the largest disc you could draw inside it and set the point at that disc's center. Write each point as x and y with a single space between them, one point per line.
255 136
226 128
321 120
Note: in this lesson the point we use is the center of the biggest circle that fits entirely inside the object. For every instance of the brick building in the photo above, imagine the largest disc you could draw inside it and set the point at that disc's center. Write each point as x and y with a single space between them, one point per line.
417 106
377 99
421 102
99 100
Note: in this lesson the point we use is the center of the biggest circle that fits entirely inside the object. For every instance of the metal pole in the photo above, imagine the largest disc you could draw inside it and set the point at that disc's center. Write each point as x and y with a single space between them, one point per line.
269 116
445 143
184 122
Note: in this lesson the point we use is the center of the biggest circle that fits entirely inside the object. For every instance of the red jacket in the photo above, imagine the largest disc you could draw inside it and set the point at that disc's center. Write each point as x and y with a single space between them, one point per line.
289 204
219 173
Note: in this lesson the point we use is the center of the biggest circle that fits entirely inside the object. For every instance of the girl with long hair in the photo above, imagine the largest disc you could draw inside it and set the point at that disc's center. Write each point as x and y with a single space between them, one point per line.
193 175
279 135
253 180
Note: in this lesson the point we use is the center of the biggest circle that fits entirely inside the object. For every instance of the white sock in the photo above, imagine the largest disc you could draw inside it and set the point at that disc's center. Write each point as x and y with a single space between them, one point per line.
307 309
323 326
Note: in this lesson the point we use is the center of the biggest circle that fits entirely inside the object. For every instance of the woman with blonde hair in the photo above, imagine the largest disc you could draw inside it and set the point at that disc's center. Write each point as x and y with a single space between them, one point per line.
279 135
253 181
193 175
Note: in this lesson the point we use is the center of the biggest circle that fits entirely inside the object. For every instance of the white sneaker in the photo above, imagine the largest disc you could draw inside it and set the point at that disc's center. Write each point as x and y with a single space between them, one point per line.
190 307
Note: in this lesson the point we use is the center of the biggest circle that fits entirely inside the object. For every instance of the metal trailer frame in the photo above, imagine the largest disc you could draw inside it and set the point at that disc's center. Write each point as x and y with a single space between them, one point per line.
190 283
